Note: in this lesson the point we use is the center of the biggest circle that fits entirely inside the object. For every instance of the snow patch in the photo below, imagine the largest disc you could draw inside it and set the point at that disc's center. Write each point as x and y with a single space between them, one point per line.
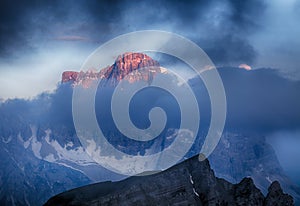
35 144
50 158
191 180
6 141
27 143
20 138
269 180
226 143
70 144
195 192
77 155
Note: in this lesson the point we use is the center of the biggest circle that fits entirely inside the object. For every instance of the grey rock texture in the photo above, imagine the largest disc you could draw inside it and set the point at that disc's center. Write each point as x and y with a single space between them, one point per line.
189 183
276 197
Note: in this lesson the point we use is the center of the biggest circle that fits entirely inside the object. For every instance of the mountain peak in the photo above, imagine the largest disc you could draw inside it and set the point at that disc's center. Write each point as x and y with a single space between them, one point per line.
129 66
132 61
276 196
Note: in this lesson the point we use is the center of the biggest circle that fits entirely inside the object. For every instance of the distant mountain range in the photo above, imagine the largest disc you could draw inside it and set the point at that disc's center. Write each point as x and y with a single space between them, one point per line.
42 155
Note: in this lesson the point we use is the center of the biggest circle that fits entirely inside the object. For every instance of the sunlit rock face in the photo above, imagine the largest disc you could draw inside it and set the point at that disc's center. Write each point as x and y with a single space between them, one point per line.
129 66
131 63
69 76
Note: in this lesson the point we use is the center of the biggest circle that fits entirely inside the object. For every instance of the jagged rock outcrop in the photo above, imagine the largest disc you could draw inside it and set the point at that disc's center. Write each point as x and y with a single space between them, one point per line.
258 161
69 76
276 196
129 66
246 193
189 183
131 62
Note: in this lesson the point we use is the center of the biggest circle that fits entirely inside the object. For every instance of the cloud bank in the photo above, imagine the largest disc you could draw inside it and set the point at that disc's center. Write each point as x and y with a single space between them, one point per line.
257 33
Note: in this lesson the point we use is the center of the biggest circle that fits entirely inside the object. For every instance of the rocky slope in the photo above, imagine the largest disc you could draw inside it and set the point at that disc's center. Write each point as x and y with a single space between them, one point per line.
129 66
189 183
28 180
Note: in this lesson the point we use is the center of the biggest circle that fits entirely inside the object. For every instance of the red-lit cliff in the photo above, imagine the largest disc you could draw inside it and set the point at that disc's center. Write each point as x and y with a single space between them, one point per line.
129 66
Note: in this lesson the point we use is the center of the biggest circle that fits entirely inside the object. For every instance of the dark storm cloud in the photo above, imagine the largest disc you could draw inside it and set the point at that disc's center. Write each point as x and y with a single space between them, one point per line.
258 100
28 25
227 43
246 15
21 23
220 27
261 100
230 50
11 26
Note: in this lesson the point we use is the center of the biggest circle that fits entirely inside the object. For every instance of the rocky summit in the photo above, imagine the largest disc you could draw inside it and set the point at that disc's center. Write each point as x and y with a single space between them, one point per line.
189 183
129 66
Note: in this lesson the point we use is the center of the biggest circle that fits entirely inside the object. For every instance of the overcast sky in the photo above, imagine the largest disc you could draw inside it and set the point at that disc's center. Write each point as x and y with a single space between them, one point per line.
40 39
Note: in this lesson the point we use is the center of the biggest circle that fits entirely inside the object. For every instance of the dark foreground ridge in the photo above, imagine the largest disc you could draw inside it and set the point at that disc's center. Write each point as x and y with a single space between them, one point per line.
189 183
